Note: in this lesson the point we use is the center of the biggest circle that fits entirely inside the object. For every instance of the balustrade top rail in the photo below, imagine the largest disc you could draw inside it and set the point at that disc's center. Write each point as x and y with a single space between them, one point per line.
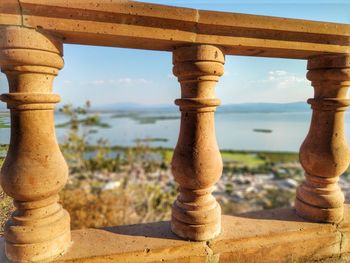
158 27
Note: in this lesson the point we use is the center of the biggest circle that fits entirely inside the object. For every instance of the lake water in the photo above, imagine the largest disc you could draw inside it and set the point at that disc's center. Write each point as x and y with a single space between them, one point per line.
234 130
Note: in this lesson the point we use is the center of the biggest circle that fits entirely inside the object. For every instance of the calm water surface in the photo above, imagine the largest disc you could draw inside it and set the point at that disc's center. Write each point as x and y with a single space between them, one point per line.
233 130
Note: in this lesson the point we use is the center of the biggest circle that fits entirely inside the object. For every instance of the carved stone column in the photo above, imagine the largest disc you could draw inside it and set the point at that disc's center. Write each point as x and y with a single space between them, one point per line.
324 154
34 170
197 163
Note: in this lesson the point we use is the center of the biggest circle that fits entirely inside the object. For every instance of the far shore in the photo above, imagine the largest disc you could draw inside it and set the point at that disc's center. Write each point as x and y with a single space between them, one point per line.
252 158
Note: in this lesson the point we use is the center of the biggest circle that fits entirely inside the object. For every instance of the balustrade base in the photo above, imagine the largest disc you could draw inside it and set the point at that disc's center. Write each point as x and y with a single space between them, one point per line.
318 214
196 232
277 235
34 251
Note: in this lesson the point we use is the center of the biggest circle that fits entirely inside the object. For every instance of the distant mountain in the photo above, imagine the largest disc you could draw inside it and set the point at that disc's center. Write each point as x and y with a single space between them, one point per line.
126 106
240 108
265 107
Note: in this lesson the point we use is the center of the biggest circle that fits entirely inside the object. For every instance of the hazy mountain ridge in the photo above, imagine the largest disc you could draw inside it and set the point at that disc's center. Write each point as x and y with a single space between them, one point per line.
265 107
239 108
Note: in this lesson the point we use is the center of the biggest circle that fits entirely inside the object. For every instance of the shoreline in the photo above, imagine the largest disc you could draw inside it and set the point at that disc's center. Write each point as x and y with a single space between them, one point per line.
159 148
250 159
119 147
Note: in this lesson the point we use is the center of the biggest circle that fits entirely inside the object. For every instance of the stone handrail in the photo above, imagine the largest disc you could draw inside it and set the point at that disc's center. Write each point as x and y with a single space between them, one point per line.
130 24
32 34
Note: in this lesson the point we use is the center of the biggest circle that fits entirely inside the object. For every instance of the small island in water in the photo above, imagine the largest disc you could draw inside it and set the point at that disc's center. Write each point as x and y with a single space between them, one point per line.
262 130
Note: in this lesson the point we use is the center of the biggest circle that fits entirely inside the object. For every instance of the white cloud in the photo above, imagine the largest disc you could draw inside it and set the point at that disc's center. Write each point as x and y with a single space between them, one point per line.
67 82
131 81
278 73
282 79
118 82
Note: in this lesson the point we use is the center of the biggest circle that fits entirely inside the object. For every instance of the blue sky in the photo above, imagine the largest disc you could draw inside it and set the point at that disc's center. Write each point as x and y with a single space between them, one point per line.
112 75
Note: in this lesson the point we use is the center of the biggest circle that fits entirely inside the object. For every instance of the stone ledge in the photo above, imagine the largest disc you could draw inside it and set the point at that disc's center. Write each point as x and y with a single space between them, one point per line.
149 26
269 236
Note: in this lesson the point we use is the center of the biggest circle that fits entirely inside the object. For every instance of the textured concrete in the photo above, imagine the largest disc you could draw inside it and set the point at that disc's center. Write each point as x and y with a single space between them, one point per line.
277 235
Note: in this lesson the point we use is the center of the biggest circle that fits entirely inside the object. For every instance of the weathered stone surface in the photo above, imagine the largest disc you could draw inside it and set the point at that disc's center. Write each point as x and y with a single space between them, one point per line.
275 236
268 236
157 27
31 37
135 243
197 163
10 12
34 170
324 154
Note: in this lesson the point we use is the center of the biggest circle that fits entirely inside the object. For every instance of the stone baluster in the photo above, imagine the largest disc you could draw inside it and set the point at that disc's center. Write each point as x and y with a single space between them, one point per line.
324 154
197 163
34 170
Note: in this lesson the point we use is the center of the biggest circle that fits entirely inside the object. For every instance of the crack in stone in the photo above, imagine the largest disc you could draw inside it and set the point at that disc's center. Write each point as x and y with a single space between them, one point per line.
341 243
196 25
211 256
21 12
337 227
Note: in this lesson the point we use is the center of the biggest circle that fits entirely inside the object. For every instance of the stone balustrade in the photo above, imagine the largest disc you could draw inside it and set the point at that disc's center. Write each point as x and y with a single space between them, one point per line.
324 154
197 163
32 33
34 170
